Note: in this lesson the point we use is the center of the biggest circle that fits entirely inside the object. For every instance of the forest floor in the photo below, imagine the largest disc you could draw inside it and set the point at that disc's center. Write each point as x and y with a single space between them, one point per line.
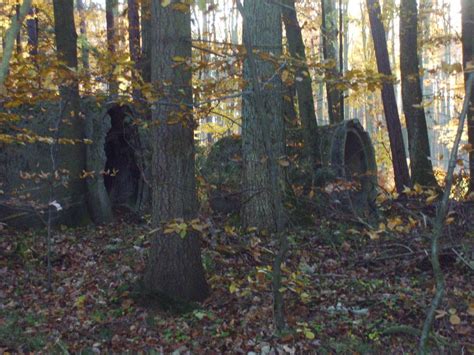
347 288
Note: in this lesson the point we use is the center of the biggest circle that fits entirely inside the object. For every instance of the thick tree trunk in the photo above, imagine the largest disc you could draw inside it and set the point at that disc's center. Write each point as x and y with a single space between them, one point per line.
303 80
111 9
175 269
418 142
329 36
262 127
70 157
468 62
400 167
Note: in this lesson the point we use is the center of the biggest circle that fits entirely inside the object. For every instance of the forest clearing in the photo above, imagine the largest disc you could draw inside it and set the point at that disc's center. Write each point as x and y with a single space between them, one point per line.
237 176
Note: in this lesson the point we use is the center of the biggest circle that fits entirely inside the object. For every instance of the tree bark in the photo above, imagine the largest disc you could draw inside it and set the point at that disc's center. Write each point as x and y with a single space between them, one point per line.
412 97
467 12
83 32
134 42
18 35
400 167
32 30
10 40
262 126
175 269
70 156
303 84
329 36
111 8
145 61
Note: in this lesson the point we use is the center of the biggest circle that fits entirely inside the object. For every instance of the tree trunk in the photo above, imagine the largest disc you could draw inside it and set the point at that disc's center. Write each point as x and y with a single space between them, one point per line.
145 61
329 36
418 143
70 156
83 32
10 41
32 30
134 41
175 269
303 80
111 9
18 35
400 167
467 11
262 123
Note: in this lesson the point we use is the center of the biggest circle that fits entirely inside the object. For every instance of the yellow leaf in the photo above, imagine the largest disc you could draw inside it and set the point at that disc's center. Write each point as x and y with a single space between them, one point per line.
449 220
309 334
418 189
454 319
233 288
352 231
177 58
165 3
470 310
431 198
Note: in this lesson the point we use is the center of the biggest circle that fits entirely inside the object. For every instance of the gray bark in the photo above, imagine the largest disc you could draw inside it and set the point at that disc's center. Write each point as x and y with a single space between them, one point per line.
262 127
175 269
303 80
10 40
468 62
400 167
329 36
418 143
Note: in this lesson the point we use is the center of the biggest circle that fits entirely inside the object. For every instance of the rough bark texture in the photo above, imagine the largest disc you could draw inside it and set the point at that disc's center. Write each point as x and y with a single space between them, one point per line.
72 122
111 7
83 37
10 41
468 62
175 269
32 30
418 143
146 40
399 161
262 127
303 82
329 36
134 39
96 127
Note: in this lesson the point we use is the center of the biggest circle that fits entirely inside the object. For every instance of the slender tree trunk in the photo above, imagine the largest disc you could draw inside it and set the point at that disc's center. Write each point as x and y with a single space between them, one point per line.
10 41
145 61
329 36
467 11
18 35
175 269
83 35
262 127
32 30
418 143
303 80
134 42
111 9
400 167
